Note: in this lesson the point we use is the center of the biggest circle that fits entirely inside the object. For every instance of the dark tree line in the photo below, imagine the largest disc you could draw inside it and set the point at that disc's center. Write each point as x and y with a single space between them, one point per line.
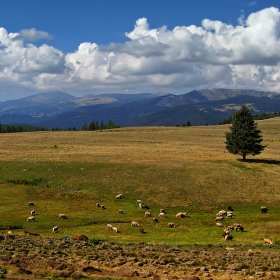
94 125
255 117
9 128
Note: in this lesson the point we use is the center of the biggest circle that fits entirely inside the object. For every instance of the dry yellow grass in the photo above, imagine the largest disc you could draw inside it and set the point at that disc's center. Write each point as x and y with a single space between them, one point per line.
179 168
192 156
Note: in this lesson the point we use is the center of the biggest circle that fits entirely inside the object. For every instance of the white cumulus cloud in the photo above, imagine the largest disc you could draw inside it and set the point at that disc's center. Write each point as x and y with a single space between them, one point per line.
215 54
31 35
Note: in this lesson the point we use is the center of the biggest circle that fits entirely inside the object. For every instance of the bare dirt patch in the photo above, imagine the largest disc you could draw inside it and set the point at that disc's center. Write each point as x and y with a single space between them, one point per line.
32 257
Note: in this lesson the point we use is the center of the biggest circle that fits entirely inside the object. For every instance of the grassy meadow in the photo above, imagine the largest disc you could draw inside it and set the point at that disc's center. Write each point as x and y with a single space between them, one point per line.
180 169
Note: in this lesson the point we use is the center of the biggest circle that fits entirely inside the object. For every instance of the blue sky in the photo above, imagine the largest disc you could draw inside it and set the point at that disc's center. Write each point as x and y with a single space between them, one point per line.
100 46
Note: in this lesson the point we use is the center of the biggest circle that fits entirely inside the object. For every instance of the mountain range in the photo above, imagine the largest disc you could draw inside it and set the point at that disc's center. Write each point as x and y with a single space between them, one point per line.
200 107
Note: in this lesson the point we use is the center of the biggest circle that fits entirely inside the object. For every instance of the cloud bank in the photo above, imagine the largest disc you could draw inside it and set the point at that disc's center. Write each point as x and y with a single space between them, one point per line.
213 55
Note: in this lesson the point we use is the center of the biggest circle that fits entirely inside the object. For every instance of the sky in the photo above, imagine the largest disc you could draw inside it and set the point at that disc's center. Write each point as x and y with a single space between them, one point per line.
126 46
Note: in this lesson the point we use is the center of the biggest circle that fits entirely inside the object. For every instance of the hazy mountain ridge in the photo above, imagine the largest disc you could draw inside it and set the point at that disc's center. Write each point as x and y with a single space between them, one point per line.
209 112
60 109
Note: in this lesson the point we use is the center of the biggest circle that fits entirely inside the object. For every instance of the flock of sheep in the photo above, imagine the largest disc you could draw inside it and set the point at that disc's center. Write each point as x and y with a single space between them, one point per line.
142 205
220 217
33 213
223 214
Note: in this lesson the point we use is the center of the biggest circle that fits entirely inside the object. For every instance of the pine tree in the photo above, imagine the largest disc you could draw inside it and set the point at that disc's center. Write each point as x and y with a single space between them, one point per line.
92 126
244 138
84 127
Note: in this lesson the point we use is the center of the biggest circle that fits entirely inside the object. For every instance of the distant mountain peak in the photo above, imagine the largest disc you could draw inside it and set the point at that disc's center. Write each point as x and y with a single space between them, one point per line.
49 97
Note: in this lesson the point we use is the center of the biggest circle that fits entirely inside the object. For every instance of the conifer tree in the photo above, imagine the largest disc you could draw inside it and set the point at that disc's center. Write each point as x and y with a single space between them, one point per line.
244 138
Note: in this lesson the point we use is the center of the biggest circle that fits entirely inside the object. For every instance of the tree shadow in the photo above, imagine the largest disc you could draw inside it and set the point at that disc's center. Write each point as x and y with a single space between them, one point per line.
266 161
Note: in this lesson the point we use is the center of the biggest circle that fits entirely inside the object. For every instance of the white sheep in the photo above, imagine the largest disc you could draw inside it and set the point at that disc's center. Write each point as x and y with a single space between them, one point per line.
32 212
171 225
147 214
31 203
226 232
228 237
134 224
55 229
62 216
162 215
121 211
114 229
230 215
119 196
31 219
109 226
181 215
219 219
221 213
142 205
267 241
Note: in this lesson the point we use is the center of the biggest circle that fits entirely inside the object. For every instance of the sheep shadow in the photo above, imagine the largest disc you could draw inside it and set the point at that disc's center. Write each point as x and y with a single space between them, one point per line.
265 161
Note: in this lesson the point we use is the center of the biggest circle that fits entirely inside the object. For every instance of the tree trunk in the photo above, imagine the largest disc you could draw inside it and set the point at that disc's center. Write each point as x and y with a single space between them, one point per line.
244 156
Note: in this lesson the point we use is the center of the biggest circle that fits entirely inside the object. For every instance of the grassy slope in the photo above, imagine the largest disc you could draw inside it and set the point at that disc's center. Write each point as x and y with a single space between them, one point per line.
179 169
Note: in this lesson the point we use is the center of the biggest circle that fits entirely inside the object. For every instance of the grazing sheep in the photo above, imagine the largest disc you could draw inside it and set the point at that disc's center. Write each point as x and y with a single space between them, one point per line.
237 227
119 196
81 237
228 237
55 229
31 204
32 212
31 219
114 229
264 209
225 232
181 215
229 214
219 225
62 216
138 201
121 211
240 228
221 213
134 224
230 208
267 241
155 219
219 219
109 226
171 225
148 214
102 207
162 211
143 206
162 215
98 205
